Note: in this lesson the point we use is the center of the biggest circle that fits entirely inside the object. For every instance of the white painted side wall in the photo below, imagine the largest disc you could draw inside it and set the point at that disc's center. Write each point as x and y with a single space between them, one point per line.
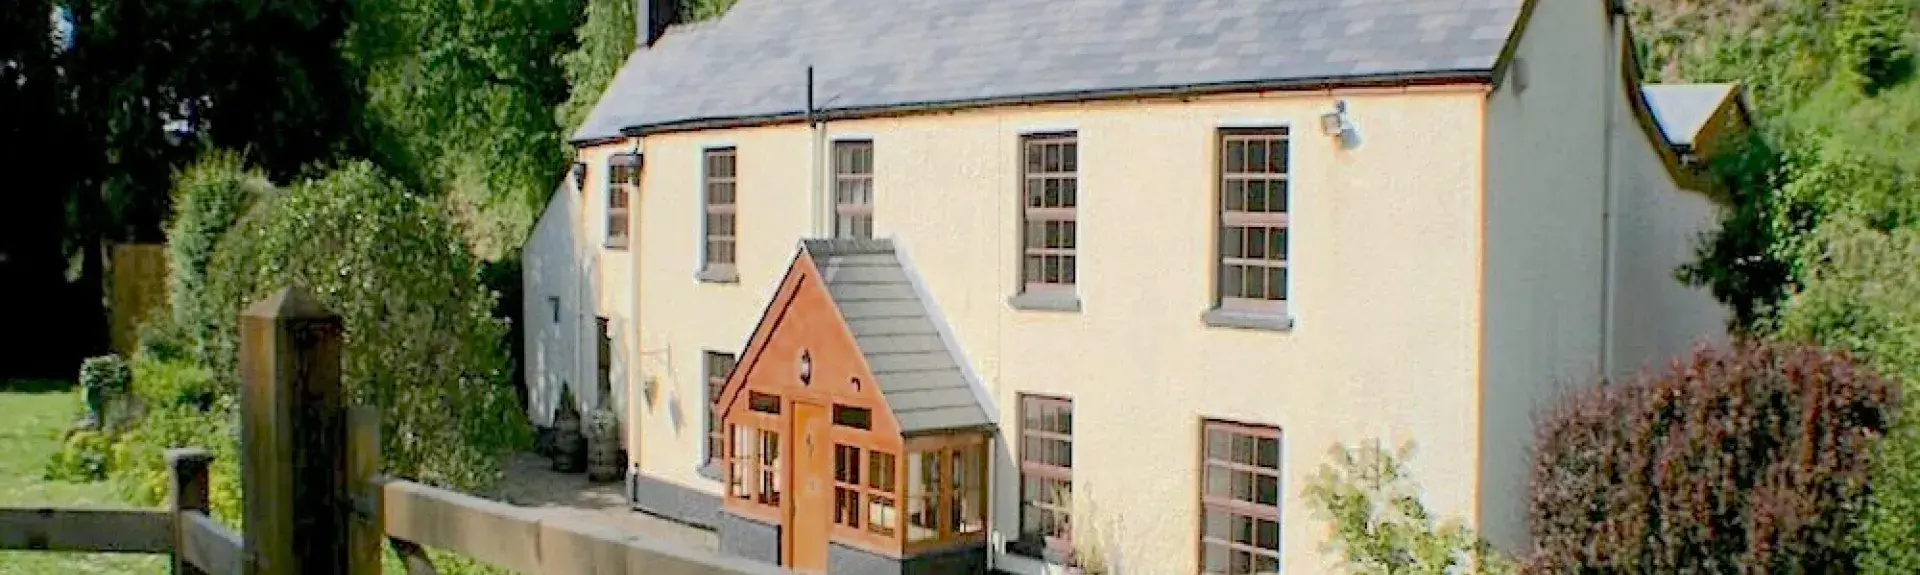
1543 254
566 257
1657 316
552 271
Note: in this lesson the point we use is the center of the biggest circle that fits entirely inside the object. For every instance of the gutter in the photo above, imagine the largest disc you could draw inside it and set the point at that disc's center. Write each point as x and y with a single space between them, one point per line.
1445 77
1612 90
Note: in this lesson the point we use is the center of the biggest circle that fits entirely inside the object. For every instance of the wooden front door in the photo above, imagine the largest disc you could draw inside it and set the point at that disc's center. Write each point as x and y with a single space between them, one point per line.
810 487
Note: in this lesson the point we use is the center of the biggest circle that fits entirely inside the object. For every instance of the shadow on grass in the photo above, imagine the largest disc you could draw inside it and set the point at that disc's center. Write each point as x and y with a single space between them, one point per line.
35 386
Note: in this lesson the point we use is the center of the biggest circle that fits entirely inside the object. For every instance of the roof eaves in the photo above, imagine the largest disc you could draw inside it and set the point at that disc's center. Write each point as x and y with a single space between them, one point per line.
1423 78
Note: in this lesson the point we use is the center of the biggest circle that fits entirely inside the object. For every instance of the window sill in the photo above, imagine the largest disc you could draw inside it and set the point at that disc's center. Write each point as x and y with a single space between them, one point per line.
620 246
1044 301
710 471
1247 320
712 276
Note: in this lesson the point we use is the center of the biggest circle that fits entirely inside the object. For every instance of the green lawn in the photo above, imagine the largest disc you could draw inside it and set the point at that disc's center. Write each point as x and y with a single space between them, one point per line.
32 416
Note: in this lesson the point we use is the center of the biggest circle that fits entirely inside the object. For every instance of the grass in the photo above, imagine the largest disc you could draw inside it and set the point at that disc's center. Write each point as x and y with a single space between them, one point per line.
36 412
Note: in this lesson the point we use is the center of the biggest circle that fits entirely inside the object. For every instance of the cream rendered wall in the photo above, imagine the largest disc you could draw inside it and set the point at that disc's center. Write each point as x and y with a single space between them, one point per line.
684 318
1657 316
609 286
1385 283
1545 196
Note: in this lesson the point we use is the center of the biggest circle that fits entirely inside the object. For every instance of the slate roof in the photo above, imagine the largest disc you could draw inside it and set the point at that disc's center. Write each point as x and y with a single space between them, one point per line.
917 364
1682 110
880 54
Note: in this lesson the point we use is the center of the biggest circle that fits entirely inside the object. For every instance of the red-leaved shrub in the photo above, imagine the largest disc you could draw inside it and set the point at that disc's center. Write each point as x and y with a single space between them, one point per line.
1749 460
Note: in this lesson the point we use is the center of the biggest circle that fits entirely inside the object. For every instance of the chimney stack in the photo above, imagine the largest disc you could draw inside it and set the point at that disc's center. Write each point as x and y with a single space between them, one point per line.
651 19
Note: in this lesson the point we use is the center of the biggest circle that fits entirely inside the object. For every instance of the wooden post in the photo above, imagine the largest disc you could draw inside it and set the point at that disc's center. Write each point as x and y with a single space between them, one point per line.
293 438
189 469
367 531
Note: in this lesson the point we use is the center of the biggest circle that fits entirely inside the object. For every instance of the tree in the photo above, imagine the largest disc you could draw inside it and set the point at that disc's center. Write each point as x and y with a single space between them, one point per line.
606 39
461 98
420 342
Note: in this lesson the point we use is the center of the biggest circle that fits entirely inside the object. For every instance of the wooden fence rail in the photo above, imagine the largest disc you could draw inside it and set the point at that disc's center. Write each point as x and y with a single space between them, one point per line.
314 502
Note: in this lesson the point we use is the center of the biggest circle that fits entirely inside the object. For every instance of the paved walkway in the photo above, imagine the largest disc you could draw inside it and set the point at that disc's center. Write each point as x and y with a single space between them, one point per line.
531 482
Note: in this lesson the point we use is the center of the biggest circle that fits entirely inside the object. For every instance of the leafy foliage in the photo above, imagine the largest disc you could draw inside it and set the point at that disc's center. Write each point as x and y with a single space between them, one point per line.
461 98
167 384
420 342
1379 525
1864 295
83 458
105 374
139 456
1745 460
606 38
208 199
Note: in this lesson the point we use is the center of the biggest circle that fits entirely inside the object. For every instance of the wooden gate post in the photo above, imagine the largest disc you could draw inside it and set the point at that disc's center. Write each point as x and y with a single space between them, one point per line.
293 441
189 470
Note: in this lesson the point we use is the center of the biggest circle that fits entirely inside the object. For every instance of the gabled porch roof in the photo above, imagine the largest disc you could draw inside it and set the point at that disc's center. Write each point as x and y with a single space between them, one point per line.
918 366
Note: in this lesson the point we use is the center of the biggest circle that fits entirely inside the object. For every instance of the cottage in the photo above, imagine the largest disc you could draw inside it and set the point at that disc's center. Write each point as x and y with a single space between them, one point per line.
887 286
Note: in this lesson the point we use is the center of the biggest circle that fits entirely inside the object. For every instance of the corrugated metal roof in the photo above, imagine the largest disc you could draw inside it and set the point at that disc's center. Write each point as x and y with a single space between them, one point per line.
1682 110
870 54
918 368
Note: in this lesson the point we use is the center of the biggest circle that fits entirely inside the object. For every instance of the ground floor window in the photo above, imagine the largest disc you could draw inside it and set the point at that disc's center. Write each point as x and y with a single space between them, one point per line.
1240 499
882 511
1046 474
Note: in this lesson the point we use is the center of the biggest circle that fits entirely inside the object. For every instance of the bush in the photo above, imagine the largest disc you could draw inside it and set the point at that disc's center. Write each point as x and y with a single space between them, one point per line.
107 374
82 459
139 457
420 342
103 382
1746 460
165 384
209 197
1379 526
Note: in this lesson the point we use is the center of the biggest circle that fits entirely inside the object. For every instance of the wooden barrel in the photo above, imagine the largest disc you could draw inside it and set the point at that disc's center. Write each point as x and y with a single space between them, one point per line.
603 446
569 445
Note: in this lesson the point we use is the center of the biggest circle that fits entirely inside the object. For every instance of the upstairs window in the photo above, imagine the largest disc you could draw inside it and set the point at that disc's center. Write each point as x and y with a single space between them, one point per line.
1240 503
1049 194
717 255
623 179
853 190
1252 270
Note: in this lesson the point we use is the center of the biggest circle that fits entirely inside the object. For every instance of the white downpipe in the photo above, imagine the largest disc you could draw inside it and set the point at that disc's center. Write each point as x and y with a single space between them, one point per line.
1611 79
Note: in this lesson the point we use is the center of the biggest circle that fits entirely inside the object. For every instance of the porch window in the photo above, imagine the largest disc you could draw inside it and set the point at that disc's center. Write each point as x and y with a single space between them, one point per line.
769 489
846 485
946 490
1046 472
740 462
754 466
923 496
966 498
882 510
1240 504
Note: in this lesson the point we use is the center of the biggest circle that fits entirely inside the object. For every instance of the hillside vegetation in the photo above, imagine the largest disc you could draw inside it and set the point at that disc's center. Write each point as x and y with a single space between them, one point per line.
1821 241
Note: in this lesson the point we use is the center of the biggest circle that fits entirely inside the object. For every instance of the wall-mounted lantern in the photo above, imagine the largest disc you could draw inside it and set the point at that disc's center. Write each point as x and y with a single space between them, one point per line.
806 368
